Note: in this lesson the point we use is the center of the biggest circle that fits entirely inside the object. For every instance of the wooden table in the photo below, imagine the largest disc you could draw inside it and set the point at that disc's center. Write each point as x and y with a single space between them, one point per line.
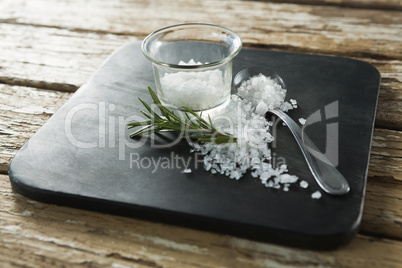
50 48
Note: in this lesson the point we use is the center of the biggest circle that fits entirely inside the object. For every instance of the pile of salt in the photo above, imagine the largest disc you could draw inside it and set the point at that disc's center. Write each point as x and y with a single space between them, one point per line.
264 93
244 119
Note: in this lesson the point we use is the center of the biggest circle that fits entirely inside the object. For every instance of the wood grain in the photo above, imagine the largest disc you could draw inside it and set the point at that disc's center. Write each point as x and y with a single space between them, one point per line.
389 110
383 208
44 234
374 4
386 154
52 58
23 110
50 65
57 56
49 49
309 28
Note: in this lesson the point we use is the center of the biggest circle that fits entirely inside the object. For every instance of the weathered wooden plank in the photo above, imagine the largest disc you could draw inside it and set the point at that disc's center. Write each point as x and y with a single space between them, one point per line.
309 28
22 112
375 4
58 46
386 154
389 110
39 235
383 208
52 58
63 60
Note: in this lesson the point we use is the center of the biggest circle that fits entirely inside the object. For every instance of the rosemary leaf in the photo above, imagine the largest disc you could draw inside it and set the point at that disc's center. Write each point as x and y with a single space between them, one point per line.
191 123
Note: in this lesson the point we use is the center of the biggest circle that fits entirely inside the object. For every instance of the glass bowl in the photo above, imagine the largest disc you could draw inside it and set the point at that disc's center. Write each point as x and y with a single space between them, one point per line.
192 64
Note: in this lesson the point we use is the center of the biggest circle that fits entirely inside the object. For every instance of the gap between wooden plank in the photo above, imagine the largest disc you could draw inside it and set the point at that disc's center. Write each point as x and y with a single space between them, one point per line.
390 5
15 81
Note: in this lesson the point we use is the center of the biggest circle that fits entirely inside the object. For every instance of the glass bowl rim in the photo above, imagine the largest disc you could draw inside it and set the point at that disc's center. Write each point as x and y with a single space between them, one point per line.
202 66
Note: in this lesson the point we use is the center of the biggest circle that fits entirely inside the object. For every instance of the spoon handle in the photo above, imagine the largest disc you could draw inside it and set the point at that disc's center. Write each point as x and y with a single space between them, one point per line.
324 172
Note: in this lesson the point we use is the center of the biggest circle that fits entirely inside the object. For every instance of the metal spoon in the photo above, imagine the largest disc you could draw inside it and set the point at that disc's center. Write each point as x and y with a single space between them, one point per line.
324 172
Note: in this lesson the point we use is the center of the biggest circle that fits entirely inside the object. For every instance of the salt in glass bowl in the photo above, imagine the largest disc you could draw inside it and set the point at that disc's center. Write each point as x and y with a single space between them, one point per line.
192 64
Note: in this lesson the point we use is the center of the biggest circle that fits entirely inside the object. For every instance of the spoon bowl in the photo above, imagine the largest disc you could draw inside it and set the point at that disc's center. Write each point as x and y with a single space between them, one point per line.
247 73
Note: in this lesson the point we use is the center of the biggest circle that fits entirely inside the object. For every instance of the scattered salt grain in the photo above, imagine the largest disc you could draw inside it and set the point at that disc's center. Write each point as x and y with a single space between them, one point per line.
286 178
302 121
187 170
293 102
316 195
303 184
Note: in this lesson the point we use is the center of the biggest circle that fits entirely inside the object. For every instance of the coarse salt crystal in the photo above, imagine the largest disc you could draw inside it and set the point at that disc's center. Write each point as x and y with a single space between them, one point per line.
187 170
261 108
302 121
286 178
316 195
303 184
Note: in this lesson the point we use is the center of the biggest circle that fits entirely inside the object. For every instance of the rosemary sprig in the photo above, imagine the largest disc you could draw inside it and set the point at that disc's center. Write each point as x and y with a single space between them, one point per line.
193 125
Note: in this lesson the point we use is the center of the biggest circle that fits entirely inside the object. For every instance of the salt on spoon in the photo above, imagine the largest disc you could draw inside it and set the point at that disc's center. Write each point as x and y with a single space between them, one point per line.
326 175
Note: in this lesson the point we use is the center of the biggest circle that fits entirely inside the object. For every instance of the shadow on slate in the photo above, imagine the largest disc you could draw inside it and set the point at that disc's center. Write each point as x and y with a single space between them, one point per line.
83 157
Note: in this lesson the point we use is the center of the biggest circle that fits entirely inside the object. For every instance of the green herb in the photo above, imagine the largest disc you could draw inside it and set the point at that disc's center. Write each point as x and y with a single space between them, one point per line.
193 125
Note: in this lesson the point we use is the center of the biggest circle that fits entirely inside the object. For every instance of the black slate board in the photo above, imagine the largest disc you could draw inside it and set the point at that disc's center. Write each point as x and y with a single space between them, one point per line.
52 167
